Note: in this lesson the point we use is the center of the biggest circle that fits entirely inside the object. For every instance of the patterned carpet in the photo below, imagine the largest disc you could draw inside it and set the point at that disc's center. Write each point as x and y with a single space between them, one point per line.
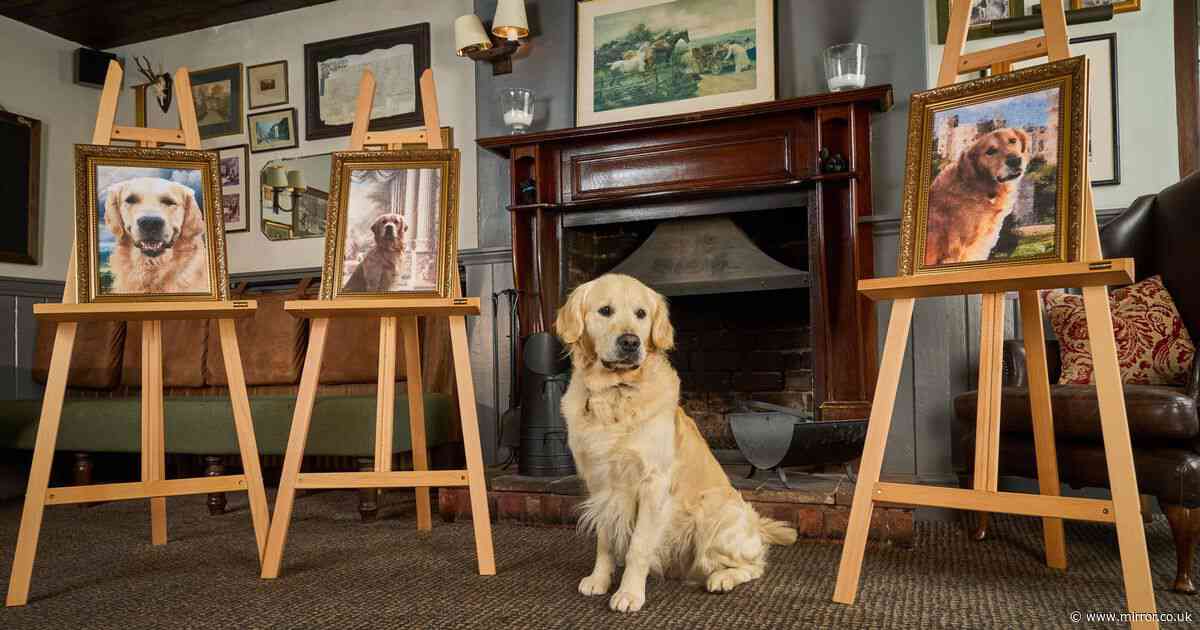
96 569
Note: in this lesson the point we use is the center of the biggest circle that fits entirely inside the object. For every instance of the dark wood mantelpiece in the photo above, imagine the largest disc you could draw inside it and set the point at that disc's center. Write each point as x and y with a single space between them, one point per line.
753 157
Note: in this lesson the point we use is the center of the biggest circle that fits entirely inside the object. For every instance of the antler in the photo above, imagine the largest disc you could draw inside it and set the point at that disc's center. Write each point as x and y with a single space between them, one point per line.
143 64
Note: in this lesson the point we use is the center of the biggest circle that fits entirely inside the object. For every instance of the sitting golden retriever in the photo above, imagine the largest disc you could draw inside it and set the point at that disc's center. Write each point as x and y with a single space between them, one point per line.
970 199
380 270
160 237
657 496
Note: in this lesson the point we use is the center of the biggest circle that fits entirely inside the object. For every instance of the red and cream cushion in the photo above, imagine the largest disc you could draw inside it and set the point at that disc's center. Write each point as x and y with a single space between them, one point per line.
1153 346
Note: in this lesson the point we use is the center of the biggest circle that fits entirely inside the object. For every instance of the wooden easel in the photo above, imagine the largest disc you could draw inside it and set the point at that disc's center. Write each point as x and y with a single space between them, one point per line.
154 485
391 313
1124 509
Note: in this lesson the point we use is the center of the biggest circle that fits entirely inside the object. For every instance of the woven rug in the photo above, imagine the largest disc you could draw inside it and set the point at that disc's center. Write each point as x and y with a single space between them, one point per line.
96 569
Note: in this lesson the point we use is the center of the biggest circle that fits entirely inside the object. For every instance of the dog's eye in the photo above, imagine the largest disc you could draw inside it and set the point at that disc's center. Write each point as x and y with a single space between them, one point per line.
131 199
991 151
606 311
640 313
167 201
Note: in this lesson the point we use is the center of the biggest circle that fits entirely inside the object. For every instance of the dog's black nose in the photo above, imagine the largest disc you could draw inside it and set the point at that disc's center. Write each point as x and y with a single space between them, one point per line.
151 226
628 343
1013 161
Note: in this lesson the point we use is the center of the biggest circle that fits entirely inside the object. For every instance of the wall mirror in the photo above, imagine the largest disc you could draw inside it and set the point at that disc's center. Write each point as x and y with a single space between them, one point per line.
293 194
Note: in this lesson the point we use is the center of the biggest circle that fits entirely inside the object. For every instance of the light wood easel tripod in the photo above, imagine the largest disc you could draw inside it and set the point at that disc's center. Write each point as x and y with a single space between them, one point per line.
391 313
1124 509
154 484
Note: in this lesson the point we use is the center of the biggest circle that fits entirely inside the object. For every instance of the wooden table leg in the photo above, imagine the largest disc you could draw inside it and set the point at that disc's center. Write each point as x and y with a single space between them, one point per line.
1118 451
1043 423
243 423
307 395
470 429
39 471
416 416
872 459
153 440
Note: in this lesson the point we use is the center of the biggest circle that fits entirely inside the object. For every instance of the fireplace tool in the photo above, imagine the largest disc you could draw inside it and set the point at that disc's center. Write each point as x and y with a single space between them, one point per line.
772 437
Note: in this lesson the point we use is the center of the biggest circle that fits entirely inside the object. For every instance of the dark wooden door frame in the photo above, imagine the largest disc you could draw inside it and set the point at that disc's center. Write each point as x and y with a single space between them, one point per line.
1187 83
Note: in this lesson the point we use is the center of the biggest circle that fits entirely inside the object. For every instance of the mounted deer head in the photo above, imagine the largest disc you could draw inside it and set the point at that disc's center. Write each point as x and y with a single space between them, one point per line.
161 81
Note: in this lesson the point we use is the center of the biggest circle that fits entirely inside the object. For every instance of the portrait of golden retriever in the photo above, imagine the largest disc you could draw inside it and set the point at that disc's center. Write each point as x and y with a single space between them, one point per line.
160 237
970 199
380 269
657 497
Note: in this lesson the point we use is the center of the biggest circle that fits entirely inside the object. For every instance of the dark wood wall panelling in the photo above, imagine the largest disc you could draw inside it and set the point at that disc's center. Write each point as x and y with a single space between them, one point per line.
17 333
120 22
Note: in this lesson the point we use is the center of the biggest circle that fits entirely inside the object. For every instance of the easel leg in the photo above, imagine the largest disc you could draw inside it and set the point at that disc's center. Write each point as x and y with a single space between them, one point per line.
307 395
470 428
416 415
153 445
385 396
1043 423
987 418
247 444
1131 535
872 459
39 471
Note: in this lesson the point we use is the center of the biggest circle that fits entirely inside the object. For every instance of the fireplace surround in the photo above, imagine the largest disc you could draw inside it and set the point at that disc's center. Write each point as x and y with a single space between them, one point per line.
747 217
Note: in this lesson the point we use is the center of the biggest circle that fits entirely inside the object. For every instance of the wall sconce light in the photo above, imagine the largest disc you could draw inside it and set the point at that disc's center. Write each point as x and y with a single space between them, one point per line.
289 182
508 27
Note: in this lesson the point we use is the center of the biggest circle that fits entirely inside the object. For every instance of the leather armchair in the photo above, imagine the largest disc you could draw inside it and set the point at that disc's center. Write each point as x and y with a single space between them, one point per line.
1162 233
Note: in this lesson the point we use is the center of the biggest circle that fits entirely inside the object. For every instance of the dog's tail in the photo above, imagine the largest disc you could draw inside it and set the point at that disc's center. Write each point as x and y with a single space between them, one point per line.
776 532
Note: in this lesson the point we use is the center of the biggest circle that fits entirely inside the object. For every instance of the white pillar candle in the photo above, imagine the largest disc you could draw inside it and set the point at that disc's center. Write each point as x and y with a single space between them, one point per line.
848 81
518 117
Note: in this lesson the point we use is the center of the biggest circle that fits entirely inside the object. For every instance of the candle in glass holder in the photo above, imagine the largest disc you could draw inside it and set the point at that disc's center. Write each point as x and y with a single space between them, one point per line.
518 118
846 66
516 106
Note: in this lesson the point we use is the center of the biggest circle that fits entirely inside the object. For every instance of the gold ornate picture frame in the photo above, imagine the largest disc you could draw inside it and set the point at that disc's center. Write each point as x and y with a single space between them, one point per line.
995 171
148 225
391 224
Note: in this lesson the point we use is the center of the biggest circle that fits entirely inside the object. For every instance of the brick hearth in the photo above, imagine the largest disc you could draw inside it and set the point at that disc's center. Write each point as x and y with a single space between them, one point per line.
819 508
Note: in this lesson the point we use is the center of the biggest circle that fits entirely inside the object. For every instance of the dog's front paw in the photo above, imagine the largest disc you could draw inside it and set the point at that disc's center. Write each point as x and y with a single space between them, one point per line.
627 601
724 580
594 585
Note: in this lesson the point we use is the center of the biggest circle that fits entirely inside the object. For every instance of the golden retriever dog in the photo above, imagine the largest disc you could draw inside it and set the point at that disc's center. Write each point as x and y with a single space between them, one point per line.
160 237
970 199
657 497
379 270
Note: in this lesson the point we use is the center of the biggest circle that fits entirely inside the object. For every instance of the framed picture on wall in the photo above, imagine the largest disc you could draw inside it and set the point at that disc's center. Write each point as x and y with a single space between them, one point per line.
983 12
333 68
643 58
267 84
273 130
234 163
217 93
1119 6
1104 141
21 145
993 171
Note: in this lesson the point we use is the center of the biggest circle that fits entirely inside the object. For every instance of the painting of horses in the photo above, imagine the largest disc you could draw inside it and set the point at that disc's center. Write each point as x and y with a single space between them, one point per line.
643 58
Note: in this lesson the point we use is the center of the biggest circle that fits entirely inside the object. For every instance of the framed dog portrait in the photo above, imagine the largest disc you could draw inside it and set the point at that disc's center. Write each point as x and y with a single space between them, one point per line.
391 224
234 163
217 94
147 228
995 171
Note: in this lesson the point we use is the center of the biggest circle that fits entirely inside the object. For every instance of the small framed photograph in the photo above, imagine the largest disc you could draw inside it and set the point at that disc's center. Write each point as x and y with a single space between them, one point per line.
147 228
983 13
995 168
234 164
217 93
391 224
1119 6
267 84
273 130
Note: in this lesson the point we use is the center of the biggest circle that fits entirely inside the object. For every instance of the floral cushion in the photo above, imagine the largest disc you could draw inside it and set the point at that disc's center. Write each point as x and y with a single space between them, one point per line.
1153 345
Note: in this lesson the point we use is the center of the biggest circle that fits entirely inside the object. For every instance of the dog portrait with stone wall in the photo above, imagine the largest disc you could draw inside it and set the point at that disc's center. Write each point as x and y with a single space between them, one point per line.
392 220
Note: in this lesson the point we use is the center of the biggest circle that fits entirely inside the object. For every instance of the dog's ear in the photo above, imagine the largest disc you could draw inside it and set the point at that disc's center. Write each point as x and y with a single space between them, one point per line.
662 333
1024 137
193 216
570 321
112 211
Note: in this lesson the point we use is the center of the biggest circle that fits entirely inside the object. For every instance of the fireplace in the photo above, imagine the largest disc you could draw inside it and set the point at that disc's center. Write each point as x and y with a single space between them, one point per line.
741 219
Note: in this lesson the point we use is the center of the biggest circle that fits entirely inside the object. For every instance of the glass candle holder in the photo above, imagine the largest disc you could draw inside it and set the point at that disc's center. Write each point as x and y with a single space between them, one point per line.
516 107
846 66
